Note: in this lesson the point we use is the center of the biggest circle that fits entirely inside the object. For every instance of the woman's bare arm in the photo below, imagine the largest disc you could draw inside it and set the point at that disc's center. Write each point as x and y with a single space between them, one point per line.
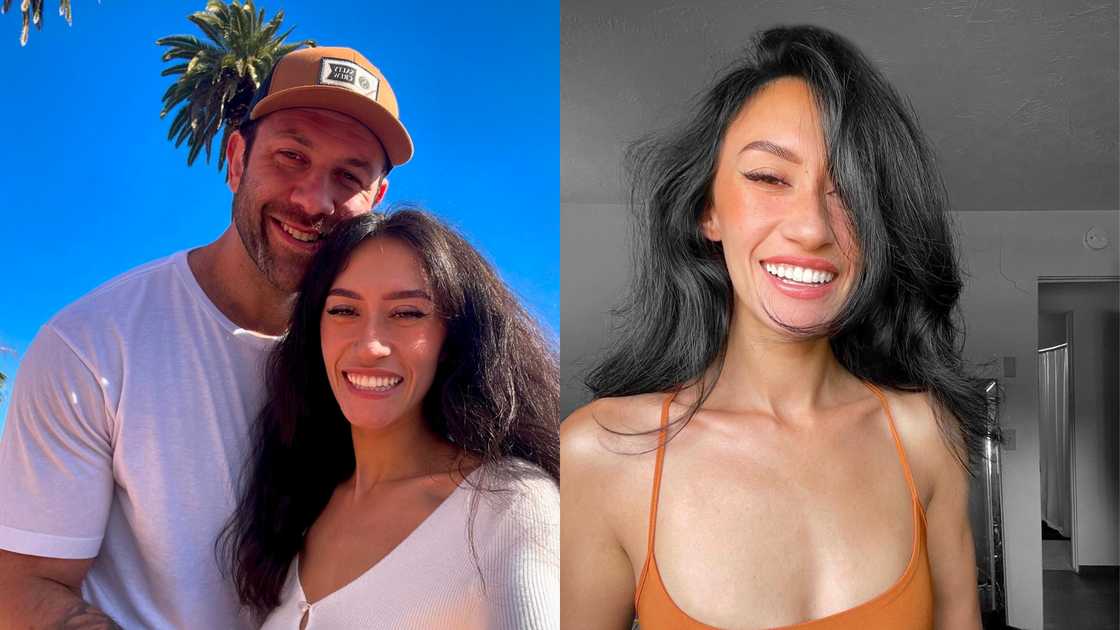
596 575
952 558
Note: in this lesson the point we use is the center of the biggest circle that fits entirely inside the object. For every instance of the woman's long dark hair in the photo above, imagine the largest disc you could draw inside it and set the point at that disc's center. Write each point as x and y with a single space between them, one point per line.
898 328
495 395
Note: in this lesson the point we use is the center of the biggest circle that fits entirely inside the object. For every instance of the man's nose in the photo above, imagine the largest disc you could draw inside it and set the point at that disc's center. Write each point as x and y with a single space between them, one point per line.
313 195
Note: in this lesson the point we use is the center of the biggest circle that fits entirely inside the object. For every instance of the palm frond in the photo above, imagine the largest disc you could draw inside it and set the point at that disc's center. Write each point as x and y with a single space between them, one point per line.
32 13
218 75
4 377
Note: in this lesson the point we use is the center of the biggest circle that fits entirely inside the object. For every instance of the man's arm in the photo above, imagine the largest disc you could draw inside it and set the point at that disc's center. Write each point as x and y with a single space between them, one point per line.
56 486
37 592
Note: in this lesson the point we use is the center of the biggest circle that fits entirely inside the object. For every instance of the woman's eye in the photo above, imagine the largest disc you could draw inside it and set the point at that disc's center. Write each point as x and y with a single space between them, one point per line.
765 178
340 310
410 314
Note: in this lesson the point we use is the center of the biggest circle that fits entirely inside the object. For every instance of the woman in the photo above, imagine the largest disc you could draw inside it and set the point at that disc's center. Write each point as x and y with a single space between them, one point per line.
782 430
404 466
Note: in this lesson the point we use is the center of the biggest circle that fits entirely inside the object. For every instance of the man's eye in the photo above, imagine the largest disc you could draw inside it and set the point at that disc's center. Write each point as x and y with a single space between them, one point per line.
292 155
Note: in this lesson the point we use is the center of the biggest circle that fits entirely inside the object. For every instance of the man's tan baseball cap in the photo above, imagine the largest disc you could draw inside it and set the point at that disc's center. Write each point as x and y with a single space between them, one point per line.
341 80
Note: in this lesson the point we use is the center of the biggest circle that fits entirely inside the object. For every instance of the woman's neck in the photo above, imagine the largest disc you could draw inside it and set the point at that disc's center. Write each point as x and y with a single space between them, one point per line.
773 373
407 449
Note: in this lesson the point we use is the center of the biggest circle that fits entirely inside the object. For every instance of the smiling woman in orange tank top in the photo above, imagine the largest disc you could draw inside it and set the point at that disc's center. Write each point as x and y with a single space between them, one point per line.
782 430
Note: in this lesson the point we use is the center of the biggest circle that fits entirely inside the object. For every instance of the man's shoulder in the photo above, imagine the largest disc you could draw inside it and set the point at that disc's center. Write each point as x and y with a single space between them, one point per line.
116 297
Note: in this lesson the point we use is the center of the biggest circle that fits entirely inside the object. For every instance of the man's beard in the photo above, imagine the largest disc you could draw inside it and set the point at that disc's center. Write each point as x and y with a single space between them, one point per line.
251 219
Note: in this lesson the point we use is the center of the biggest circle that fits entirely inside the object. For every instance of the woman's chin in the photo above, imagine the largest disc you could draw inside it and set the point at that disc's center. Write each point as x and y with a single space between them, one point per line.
779 318
365 422
369 416
812 322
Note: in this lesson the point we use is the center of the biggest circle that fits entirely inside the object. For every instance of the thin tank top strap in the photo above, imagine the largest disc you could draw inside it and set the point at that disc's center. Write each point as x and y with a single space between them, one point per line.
661 440
897 444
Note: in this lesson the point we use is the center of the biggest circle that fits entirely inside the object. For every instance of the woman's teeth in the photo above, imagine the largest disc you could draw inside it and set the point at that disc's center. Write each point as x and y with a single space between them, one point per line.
373 383
299 235
799 274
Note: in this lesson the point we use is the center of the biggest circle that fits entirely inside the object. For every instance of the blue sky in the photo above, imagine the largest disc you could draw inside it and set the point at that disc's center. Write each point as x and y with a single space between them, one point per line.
93 188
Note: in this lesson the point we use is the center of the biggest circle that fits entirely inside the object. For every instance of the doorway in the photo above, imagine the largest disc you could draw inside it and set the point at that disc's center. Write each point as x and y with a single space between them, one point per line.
1078 402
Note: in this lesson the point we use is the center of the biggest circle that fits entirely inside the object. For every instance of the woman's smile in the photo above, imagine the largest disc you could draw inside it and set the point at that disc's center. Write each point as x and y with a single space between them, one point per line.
373 383
801 278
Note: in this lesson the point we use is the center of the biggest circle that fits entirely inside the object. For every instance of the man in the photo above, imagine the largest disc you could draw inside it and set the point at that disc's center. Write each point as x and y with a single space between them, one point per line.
128 421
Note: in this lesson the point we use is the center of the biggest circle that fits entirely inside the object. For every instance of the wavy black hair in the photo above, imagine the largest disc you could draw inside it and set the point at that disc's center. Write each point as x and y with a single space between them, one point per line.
495 395
900 325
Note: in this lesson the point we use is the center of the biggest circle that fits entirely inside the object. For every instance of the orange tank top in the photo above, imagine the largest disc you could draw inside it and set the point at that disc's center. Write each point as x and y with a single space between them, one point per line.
907 604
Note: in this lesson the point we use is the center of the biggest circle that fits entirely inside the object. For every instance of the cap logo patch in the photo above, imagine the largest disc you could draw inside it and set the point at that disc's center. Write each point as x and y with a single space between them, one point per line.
349 75
340 72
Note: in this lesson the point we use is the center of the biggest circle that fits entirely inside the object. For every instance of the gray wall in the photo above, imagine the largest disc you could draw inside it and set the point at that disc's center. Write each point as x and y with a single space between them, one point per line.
1005 253
1019 100
1019 97
1096 396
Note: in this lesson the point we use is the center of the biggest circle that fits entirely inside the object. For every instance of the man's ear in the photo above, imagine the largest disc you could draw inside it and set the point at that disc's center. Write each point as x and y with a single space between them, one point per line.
235 160
382 186
709 226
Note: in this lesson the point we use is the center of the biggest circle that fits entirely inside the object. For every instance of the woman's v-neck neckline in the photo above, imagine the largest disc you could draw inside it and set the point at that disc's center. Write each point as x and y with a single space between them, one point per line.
408 540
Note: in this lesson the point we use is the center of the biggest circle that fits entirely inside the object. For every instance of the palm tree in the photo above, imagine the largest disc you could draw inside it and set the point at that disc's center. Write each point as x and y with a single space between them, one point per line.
219 77
32 11
4 377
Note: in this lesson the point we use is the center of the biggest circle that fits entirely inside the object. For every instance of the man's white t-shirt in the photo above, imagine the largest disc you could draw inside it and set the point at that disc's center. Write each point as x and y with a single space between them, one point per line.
125 439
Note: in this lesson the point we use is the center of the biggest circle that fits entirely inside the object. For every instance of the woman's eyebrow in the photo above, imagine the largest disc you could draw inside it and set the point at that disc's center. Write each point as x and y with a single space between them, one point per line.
346 293
406 295
776 149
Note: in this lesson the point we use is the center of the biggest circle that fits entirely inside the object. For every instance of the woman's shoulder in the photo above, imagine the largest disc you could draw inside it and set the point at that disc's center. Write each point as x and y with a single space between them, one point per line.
931 452
608 450
519 493
518 514
600 431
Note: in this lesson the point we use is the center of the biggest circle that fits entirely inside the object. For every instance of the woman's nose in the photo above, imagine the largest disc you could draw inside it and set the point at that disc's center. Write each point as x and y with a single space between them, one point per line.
808 223
373 345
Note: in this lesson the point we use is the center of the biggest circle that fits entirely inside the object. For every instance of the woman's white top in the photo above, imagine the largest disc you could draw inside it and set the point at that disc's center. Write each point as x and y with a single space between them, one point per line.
431 579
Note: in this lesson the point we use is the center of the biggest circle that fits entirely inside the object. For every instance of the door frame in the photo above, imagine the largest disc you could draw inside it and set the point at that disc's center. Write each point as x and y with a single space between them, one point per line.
1071 408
